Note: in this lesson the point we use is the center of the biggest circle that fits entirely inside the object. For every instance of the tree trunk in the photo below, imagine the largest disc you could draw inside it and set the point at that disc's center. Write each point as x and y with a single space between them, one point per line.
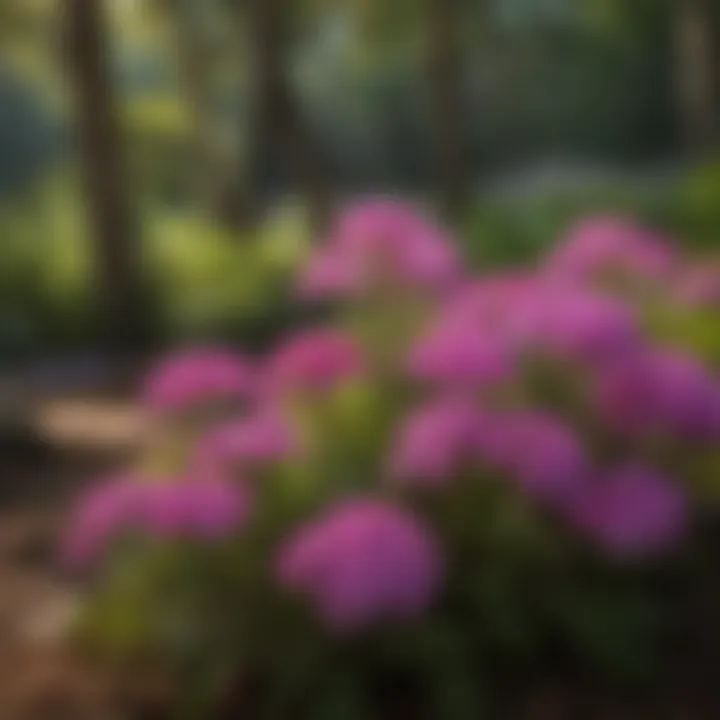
281 147
446 106
116 258
696 74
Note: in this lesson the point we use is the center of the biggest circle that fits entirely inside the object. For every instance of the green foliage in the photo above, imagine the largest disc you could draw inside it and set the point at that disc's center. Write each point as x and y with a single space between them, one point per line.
45 269
158 131
697 214
703 472
692 328
518 228
214 283
208 283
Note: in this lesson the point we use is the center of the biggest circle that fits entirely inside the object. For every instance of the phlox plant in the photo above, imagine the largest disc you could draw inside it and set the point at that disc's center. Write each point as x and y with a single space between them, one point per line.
459 478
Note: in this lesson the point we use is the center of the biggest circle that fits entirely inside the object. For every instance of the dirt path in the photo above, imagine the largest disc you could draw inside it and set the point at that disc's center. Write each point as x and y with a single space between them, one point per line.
73 441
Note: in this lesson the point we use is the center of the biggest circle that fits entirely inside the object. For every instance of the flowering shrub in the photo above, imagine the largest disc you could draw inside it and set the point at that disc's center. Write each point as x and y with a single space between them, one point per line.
499 477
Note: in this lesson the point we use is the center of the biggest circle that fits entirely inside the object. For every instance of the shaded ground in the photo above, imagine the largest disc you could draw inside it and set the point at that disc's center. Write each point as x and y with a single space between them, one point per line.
63 443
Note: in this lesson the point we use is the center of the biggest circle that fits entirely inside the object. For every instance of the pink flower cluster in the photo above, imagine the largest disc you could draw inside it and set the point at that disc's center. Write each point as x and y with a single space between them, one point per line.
377 243
207 510
487 327
663 393
490 331
364 561
539 452
461 356
607 245
314 361
473 412
630 512
535 449
245 445
436 441
197 376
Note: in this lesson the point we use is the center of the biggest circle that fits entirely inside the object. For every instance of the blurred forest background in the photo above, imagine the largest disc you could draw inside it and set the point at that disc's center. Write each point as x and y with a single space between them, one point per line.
164 163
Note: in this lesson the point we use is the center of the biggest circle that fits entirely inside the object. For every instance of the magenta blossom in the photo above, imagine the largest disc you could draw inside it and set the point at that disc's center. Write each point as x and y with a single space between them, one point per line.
660 392
196 509
100 514
315 361
329 273
364 561
606 245
246 444
630 512
492 301
540 452
435 441
576 323
380 242
461 355
512 308
197 376
532 313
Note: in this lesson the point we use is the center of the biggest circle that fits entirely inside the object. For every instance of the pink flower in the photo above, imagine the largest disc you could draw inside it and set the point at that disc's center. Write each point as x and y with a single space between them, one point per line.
578 324
315 361
459 354
510 308
493 301
196 509
198 376
435 441
330 273
364 561
531 313
246 444
100 514
602 245
432 262
538 450
660 391
378 242
630 512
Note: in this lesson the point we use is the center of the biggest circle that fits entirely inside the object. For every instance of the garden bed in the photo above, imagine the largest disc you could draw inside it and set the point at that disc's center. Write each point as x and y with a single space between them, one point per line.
460 497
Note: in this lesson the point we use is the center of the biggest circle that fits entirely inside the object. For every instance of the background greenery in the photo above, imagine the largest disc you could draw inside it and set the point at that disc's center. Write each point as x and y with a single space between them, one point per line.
567 108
